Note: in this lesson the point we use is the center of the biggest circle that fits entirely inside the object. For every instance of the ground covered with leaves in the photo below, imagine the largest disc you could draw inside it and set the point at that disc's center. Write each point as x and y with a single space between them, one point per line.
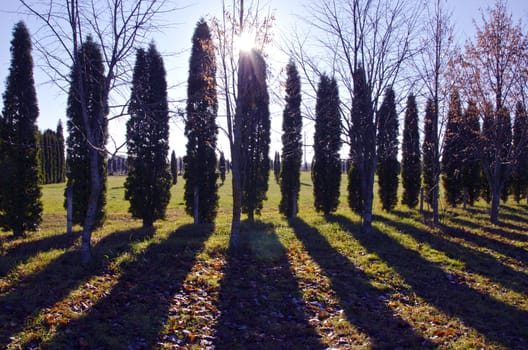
313 282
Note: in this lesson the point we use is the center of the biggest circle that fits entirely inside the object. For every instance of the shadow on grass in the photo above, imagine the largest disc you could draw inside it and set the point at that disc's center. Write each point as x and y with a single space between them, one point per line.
475 261
20 253
498 246
494 230
134 312
51 284
363 303
497 321
260 302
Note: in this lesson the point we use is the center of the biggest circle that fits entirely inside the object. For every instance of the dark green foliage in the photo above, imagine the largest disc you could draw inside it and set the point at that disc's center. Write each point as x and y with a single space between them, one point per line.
388 168
277 166
87 75
411 162
222 167
52 156
252 117
519 182
470 139
20 203
428 152
61 157
453 152
174 168
291 144
148 183
326 165
487 152
117 165
201 130
362 143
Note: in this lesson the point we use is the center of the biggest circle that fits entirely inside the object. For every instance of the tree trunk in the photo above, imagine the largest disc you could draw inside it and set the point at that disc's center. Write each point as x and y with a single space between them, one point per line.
495 203
196 203
369 197
435 206
294 206
234 241
93 199
421 200
69 210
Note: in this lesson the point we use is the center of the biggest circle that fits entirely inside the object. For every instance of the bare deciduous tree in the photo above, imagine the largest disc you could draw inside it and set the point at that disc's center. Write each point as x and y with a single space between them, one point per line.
492 70
373 34
431 64
117 27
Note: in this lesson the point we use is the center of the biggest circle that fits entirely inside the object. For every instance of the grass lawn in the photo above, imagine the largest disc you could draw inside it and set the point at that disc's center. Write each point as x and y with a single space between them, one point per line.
308 283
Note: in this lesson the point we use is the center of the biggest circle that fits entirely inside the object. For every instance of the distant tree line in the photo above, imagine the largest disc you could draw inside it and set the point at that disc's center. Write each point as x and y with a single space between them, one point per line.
52 156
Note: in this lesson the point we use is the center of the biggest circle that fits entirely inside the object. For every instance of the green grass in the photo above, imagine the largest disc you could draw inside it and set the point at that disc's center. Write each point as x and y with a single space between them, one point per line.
307 283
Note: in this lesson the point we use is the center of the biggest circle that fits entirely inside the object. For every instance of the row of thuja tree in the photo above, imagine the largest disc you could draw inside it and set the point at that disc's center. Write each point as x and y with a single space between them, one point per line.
373 141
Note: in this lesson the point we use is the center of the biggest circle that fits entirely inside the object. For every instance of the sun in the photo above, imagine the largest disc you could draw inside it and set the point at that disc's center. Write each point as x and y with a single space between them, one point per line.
246 42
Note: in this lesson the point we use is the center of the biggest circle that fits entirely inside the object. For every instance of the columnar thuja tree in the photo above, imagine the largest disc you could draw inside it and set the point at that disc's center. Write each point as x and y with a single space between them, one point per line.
86 114
411 161
362 150
201 198
429 158
471 149
291 144
147 186
388 168
453 152
174 168
277 166
222 167
61 165
520 144
326 166
52 155
252 119
20 204
242 17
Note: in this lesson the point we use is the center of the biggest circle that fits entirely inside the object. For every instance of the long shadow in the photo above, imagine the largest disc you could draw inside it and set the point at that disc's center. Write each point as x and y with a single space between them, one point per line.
134 312
514 236
498 246
522 210
475 261
363 303
260 301
497 321
23 251
51 284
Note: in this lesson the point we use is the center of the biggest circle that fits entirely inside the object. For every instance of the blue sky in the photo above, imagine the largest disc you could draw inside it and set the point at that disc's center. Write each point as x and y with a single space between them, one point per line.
175 42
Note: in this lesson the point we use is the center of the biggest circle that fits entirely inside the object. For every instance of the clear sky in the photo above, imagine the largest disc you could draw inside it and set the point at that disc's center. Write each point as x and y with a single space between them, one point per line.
175 43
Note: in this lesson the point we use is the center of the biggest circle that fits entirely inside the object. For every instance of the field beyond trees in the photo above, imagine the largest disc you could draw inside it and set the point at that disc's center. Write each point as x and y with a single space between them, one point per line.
313 282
